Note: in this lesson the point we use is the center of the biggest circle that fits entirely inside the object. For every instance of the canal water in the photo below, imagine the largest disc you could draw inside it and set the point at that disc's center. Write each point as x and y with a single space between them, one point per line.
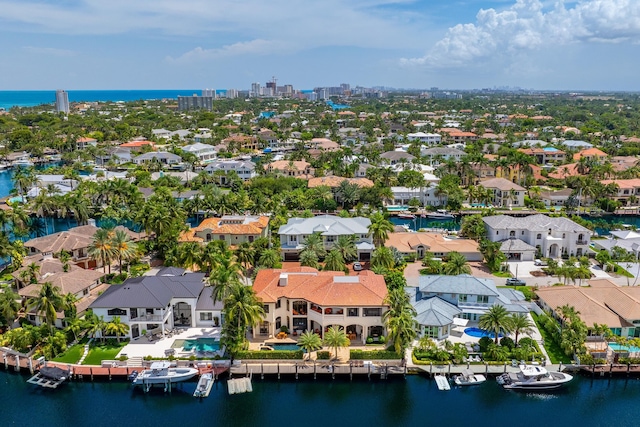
414 401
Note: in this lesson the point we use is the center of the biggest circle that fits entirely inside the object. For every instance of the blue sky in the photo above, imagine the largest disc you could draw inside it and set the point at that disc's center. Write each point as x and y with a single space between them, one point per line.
175 44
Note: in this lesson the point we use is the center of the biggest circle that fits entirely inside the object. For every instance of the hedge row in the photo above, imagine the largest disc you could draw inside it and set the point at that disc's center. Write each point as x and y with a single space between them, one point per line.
373 354
269 355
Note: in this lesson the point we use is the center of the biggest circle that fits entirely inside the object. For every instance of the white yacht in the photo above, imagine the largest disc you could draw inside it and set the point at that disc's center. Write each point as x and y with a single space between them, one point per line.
163 373
533 377
204 385
468 377
440 214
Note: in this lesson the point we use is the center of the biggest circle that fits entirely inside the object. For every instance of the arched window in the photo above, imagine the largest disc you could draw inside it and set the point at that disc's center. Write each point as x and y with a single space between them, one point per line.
512 234
539 236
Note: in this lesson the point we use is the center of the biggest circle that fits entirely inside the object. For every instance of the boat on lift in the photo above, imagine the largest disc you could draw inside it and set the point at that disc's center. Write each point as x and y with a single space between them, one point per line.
533 377
163 373
440 214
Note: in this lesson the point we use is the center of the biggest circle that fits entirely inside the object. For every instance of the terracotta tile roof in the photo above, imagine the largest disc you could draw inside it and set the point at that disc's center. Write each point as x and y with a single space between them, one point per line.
407 242
137 144
325 288
589 152
227 225
564 171
73 282
623 183
335 181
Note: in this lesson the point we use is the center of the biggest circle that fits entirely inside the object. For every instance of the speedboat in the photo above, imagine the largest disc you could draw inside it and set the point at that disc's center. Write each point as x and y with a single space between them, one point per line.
440 214
204 385
467 377
533 377
162 373
406 216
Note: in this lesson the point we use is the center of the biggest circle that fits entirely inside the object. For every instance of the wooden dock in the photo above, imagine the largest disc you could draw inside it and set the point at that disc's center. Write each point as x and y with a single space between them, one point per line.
378 369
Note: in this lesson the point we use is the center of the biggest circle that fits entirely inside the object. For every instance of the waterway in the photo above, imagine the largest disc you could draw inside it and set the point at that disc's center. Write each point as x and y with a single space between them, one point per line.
414 401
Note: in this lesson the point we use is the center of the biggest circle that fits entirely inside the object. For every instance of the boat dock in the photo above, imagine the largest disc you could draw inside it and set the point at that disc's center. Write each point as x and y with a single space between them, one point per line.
380 369
49 377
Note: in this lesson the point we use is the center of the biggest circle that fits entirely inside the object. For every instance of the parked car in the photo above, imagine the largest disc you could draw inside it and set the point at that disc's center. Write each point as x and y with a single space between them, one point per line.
539 262
357 266
514 281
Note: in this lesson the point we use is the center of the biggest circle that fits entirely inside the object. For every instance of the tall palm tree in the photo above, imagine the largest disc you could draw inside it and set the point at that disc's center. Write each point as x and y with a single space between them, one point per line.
242 309
334 261
346 245
380 228
245 255
400 319
496 320
95 324
123 247
310 341
382 258
64 258
270 258
101 248
9 306
520 323
224 277
336 338
315 243
456 264
116 327
48 302
309 259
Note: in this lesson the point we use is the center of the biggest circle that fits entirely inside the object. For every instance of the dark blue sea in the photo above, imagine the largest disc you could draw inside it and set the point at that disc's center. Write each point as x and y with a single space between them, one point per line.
414 401
30 98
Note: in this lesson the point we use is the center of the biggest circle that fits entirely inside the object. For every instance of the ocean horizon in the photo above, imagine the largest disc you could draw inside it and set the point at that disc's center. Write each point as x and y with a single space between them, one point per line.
31 98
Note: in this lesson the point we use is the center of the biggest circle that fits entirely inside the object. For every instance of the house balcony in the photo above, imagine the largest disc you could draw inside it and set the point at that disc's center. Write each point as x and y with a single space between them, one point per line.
148 318
582 242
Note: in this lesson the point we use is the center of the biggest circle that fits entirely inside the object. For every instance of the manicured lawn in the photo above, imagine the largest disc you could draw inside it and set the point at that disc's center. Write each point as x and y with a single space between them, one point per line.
103 351
502 274
72 355
556 354
528 292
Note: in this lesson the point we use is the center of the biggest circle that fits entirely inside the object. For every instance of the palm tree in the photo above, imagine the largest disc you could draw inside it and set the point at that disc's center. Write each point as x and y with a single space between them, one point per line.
382 258
315 243
116 327
400 319
336 338
224 276
101 248
75 326
346 245
520 323
64 258
270 258
380 228
123 247
334 261
47 302
496 320
34 271
9 306
189 254
242 309
95 324
245 255
309 259
456 264
310 341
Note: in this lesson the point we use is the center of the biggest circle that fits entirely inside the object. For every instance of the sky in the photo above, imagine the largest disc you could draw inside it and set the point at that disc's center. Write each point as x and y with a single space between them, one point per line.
223 44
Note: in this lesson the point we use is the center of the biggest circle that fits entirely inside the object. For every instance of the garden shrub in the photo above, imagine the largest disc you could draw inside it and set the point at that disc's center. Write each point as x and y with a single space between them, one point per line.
507 342
484 343
373 355
323 355
269 355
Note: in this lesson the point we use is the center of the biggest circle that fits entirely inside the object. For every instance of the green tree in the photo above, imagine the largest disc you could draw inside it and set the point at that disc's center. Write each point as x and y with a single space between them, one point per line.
101 248
492 254
379 228
9 306
124 249
496 320
309 341
520 323
346 245
472 227
116 327
382 258
336 338
314 243
333 261
400 319
456 264
309 259
242 309
47 303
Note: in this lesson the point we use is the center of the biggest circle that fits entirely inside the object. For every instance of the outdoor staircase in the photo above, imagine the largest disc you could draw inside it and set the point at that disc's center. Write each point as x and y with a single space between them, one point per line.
86 351
134 361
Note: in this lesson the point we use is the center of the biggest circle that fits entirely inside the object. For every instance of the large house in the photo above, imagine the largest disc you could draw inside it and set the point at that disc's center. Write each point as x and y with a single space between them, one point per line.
437 155
204 152
505 192
296 230
602 302
551 237
545 155
172 298
418 244
232 229
244 169
628 190
439 300
425 138
296 169
305 299
426 195
161 157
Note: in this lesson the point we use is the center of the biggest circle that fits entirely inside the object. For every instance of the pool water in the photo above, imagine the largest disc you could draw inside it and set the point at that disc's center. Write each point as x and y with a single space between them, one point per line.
619 347
397 208
479 333
285 347
201 344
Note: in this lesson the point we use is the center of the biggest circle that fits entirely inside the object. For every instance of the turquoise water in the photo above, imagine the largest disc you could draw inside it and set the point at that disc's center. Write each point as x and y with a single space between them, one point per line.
30 98
415 401
618 347
286 347
202 344
479 333
397 208
419 222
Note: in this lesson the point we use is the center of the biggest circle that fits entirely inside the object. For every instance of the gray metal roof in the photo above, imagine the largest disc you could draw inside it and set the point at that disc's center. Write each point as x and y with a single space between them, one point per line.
150 291
229 165
205 301
516 245
442 151
535 223
396 155
326 225
462 284
435 312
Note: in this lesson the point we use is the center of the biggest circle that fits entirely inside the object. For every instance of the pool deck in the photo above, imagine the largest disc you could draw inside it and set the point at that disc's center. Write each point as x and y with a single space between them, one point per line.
141 346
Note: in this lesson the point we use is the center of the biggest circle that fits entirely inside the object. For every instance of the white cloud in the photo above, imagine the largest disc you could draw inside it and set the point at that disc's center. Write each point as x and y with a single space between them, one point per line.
526 26
253 47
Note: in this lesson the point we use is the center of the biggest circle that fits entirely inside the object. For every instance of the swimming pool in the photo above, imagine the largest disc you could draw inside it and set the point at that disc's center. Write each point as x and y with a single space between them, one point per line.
396 208
479 333
618 347
201 344
284 347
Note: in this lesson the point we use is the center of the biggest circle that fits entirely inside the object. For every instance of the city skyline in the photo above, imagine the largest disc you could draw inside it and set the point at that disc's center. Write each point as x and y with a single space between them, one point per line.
542 45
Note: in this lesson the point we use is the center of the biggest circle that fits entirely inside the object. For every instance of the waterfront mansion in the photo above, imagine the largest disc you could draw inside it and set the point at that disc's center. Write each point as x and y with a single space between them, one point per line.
305 299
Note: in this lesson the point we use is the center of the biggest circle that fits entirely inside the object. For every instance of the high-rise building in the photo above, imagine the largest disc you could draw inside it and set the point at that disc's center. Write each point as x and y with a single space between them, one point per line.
209 92
62 101
255 89
232 93
195 102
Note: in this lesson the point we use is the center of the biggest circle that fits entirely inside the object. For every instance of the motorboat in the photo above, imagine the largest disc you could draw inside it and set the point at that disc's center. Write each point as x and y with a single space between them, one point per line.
468 377
204 385
163 373
533 377
22 162
406 216
440 214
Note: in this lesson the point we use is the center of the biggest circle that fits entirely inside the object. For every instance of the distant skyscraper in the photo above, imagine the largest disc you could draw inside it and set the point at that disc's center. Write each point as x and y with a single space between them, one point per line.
62 101
209 92
255 89
195 102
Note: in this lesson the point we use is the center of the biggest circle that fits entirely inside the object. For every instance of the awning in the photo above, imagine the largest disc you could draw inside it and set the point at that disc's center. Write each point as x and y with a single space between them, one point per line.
459 321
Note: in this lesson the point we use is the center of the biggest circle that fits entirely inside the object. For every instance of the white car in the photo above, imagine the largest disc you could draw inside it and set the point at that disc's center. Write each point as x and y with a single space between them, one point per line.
539 262
357 266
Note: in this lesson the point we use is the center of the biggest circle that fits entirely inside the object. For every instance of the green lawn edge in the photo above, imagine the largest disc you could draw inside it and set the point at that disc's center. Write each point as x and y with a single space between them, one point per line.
555 352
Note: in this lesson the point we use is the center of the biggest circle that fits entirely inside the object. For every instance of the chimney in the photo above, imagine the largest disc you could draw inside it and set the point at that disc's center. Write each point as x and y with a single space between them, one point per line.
284 278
